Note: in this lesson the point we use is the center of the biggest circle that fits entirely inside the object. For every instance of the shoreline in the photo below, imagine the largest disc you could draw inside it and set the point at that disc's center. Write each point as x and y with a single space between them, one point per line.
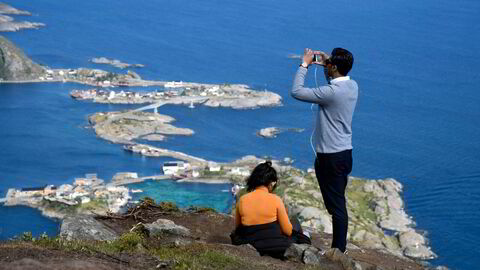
375 206
236 96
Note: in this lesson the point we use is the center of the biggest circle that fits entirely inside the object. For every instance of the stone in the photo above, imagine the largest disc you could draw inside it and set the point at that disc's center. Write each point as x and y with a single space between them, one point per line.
357 266
316 194
335 255
351 246
391 186
295 252
248 246
311 256
270 132
298 180
310 212
180 242
373 187
397 220
394 201
140 229
391 243
410 238
85 228
372 240
359 236
166 226
379 210
323 223
154 137
419 252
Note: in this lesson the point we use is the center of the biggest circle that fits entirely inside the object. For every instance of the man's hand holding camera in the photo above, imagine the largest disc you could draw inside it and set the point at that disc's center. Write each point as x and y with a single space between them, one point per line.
313 57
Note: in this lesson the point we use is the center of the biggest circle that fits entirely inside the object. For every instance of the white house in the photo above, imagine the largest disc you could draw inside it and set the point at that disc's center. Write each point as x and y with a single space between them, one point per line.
214 167
173 167
240 171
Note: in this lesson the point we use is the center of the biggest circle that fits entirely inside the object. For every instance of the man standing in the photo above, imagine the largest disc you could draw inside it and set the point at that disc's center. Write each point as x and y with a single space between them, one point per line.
333 131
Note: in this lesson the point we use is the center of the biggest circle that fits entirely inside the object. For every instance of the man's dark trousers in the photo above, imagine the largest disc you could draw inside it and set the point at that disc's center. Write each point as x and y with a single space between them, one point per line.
332 171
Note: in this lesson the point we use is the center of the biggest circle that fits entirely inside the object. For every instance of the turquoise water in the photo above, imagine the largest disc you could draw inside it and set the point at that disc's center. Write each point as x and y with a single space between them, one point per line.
216 196
417 65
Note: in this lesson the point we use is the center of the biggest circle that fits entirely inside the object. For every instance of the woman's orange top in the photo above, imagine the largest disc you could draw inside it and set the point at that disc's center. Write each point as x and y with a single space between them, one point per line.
261 207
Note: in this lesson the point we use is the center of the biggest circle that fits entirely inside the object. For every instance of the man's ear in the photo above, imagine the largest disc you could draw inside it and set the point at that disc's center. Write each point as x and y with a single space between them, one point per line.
334 68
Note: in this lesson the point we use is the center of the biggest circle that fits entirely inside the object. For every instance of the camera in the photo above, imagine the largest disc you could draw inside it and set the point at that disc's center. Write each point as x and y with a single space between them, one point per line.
319 59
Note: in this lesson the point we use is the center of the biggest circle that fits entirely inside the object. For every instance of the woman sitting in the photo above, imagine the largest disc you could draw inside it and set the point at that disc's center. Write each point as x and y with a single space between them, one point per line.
261 218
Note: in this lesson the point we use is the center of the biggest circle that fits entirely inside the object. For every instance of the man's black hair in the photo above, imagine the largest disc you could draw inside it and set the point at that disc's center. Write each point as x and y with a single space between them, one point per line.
262 175
343 59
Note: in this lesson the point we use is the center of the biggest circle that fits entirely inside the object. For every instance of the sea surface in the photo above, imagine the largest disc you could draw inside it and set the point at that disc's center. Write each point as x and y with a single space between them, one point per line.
417 119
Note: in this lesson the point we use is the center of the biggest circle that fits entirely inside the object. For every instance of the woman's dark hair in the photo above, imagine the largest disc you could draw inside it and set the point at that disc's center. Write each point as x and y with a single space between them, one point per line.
343 59
262 175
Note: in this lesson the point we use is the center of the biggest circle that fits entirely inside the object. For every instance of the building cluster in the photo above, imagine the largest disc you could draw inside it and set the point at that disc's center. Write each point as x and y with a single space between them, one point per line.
181 169
171 90
83 190
58 74
138 97
91 76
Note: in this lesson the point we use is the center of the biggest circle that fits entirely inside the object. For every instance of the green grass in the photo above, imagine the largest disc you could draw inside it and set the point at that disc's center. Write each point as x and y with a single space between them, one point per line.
194 256
200 256
93 205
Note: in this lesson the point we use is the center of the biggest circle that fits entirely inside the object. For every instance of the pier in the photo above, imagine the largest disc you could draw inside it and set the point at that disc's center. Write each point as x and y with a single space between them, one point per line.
185 100
141 179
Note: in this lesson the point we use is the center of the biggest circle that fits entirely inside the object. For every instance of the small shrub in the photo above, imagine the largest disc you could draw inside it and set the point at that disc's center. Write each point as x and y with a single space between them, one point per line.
27 237
196 209
126 242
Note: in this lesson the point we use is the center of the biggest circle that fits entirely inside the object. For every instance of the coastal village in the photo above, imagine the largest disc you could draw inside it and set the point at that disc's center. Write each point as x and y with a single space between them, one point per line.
375 206
114 196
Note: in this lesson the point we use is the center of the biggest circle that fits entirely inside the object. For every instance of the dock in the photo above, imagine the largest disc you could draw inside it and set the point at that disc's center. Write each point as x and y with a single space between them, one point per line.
141 179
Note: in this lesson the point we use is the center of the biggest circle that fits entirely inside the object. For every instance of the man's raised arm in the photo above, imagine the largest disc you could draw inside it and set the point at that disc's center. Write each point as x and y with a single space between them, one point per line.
318 95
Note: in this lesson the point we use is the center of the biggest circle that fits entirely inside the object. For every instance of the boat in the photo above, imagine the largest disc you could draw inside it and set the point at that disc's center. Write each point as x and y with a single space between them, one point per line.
191 106
137 190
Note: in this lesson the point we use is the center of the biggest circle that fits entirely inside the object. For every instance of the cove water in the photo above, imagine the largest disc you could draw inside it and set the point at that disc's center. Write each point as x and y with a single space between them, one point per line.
417 64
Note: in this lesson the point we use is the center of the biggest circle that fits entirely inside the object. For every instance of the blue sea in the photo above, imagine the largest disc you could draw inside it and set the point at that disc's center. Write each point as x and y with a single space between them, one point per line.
417 119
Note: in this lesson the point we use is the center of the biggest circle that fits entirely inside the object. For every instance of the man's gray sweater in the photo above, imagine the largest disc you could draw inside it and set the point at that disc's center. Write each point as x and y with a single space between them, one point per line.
336 103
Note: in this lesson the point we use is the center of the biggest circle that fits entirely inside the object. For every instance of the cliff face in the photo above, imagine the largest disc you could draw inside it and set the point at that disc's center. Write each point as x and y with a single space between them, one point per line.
15 65
161 236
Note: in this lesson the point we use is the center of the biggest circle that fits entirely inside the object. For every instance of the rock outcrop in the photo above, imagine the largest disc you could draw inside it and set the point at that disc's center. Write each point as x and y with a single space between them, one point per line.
15 65
166 226
124 127
375 207
114 62
272 132
85 228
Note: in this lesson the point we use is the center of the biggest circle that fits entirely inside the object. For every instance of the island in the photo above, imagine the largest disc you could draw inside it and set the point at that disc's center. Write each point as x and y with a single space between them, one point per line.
114 62
8 24
272 132
124 127
18 68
